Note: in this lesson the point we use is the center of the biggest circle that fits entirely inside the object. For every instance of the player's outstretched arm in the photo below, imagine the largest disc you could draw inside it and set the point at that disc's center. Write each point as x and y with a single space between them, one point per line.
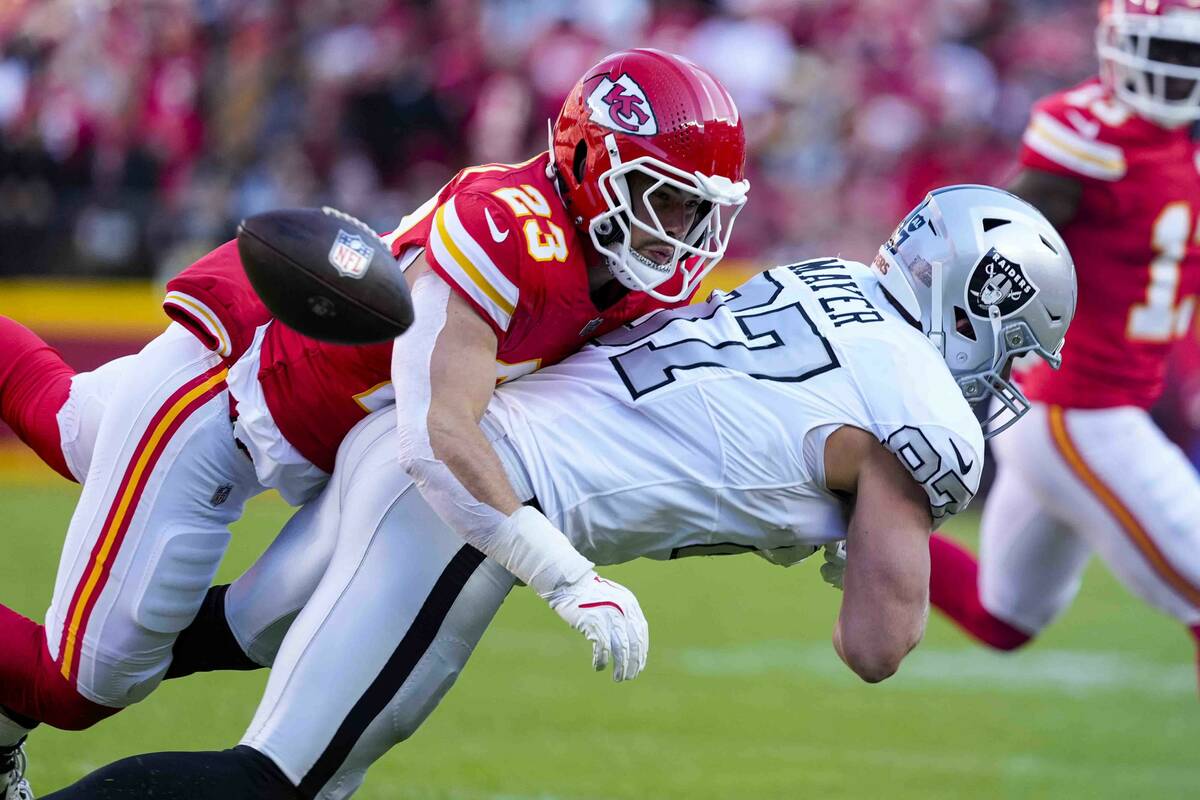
444 372
886 585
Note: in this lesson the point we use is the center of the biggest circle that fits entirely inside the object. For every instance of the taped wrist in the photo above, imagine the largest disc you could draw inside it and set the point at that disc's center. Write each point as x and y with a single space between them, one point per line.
531 548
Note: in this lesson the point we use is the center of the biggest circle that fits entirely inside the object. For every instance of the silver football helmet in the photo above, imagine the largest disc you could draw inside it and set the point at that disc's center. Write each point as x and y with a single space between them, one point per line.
987 278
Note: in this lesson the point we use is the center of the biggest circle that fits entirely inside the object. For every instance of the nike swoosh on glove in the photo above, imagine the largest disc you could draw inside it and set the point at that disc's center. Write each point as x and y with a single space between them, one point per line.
610 617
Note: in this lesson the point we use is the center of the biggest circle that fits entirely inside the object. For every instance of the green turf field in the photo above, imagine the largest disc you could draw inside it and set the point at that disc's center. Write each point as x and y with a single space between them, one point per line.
743 697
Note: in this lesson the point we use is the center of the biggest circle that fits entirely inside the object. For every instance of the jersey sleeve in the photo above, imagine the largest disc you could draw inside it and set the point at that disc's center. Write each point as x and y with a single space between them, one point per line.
1068 139
946 463
473 246
214 300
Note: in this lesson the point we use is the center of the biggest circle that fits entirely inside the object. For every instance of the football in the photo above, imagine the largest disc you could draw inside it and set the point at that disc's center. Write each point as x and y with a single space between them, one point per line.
325 274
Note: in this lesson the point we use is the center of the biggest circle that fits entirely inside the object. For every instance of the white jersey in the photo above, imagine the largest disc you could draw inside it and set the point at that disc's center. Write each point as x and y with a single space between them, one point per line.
701 430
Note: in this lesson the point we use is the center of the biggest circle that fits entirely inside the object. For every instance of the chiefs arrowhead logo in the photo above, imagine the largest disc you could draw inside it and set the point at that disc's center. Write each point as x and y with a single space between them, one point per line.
1000 282
622 106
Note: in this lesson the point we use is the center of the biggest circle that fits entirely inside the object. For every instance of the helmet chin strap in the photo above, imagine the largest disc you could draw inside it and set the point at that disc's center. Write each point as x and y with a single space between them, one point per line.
997 356
620 183
936 334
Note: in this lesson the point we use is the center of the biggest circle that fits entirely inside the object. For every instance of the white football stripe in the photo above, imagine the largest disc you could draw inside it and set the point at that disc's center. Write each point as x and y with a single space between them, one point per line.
204 317
455 271
1066 146
478 256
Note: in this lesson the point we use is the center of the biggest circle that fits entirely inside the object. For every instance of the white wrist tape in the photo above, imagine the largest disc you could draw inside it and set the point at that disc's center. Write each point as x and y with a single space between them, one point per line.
531 548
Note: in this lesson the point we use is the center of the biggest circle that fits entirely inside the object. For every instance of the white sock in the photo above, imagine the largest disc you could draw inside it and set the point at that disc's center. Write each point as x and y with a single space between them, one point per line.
11 732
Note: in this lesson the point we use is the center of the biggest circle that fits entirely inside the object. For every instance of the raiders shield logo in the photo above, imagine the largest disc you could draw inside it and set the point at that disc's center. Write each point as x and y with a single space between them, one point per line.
350 255
622 106
999 282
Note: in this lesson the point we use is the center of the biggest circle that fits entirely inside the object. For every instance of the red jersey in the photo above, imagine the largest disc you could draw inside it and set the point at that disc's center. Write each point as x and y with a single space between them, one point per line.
213 299
501 238
1135 241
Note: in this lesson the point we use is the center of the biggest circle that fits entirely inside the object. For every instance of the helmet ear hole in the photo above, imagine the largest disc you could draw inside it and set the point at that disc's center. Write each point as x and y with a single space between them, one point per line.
962 323
579 160
608 231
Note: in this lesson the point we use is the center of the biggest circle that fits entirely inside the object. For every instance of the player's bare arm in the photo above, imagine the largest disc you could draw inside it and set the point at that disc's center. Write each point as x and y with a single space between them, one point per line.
886 585
445 374
1056 196
462 376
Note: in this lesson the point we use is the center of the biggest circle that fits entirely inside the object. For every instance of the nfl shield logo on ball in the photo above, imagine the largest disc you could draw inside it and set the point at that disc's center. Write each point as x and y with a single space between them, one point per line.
998 282
350 255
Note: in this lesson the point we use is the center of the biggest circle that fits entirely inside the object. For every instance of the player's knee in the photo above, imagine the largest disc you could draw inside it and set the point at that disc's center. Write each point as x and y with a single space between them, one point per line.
180 577
413 704
262 647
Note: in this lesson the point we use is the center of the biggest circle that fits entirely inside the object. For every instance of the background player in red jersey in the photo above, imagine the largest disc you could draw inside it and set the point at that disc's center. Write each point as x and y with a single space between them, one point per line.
1113 164
516 267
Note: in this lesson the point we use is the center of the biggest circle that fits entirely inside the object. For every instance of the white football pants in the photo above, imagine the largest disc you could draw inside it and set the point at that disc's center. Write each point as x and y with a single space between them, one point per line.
150 439
1071 482
391 624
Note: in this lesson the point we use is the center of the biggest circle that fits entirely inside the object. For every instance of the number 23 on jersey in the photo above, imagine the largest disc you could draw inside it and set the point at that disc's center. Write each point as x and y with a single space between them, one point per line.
544 243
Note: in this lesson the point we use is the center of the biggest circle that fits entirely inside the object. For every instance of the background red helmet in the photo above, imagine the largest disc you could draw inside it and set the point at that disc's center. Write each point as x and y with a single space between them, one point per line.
661 115
1149 54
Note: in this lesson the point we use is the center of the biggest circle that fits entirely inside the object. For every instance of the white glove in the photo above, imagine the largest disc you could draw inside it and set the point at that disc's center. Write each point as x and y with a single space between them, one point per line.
834 568
609 616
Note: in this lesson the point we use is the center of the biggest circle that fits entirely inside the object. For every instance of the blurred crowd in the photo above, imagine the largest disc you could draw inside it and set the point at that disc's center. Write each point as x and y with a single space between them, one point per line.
134 134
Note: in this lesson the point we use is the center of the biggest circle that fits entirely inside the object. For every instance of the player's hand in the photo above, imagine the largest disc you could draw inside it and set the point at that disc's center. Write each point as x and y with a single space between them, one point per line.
834 567
609 616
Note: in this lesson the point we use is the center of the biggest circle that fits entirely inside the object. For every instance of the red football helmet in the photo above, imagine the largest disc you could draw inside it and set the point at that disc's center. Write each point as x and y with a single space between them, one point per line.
1150 57
654 113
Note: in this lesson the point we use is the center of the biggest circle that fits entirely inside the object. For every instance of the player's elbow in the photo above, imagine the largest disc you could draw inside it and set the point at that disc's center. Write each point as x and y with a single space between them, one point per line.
874 650
875 672
871 661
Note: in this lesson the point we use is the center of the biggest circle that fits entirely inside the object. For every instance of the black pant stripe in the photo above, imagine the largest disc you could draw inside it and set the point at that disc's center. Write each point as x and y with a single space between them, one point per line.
397 669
